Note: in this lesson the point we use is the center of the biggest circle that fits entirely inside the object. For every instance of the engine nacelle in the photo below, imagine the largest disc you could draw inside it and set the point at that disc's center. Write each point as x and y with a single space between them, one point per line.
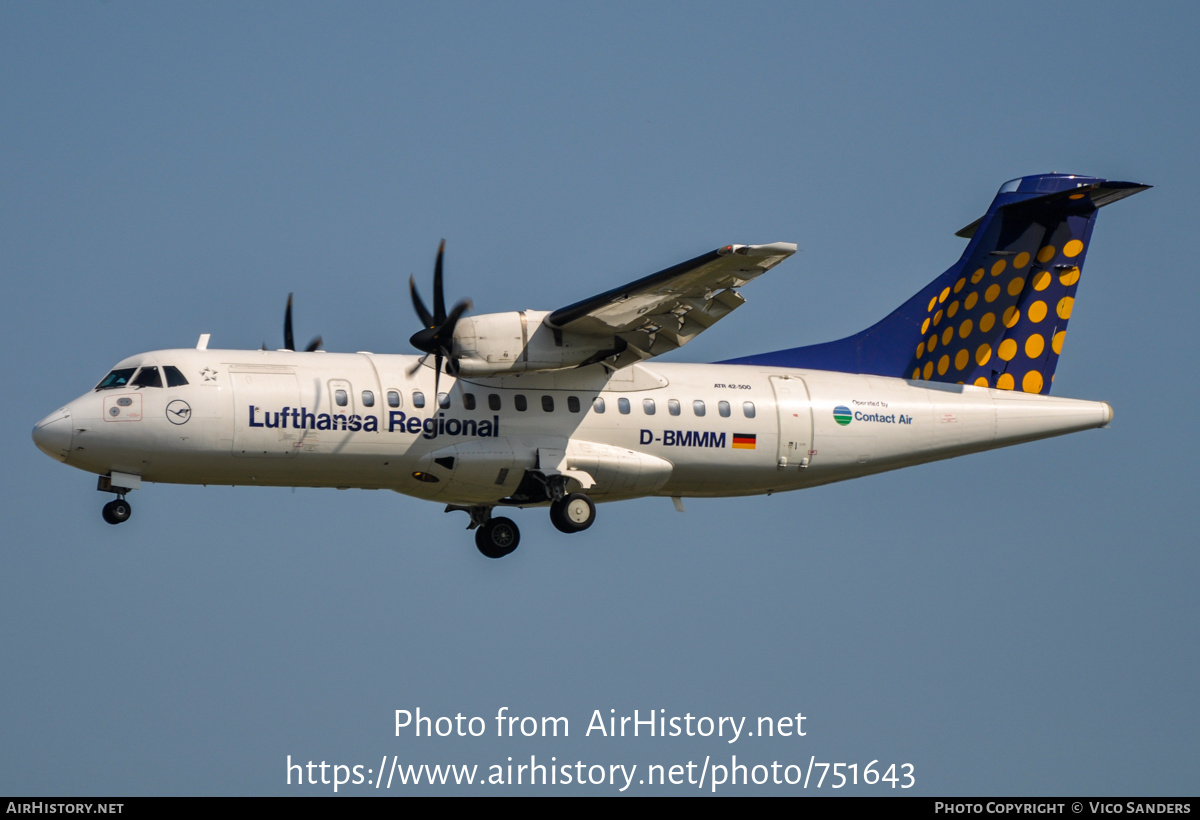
494 343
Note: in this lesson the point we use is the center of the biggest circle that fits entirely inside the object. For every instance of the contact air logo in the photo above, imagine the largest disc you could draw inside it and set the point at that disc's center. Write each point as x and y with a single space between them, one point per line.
842 415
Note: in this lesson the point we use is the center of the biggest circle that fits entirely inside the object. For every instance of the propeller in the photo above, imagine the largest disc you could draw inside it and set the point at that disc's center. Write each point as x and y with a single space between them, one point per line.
288 341
437 335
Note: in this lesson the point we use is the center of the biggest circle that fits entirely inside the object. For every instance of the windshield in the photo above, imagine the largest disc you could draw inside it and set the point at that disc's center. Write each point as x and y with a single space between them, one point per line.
117 378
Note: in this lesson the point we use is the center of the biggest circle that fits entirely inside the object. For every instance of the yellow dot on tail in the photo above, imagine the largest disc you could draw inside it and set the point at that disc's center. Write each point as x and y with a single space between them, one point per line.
932 343
952 309
942 296
964 330
1037 311
947 335
982 354
1057 342
959 284
991 293
916 373
1034 346
943 365
970 301
928 370
1046 254
1014 287
925 326
1007 349
1072 249
1011 316
932 302
986 321
1005 382
1069 276
981 382
937 318
961 359
921 349
1041 280
976 276
998 268
1021 260
1064 307
1032 383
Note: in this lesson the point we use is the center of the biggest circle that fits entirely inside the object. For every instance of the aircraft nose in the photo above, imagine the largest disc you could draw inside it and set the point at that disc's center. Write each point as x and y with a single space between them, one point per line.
52 434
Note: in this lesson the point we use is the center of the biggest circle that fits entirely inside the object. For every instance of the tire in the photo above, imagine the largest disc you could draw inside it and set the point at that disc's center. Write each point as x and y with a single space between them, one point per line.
573 513
498 537
117 512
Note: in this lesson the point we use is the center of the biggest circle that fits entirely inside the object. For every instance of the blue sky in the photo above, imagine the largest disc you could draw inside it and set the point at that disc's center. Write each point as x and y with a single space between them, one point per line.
1017 622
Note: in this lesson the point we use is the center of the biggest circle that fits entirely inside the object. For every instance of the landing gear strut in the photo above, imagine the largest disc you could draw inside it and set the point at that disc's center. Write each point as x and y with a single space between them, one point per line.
116 512
574 512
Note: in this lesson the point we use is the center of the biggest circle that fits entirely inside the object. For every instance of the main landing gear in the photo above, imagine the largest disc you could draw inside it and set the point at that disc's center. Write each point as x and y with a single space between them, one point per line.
572 513
498 537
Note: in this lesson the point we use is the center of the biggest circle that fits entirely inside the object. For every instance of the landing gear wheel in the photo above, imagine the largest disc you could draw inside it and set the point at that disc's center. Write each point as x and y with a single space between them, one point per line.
115 512
572 513
497 537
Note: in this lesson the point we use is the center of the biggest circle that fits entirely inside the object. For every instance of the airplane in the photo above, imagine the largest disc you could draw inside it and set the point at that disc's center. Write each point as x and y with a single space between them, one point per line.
565 408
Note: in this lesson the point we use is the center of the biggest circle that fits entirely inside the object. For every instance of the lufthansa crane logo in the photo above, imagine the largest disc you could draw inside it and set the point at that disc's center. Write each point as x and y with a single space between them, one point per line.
178 412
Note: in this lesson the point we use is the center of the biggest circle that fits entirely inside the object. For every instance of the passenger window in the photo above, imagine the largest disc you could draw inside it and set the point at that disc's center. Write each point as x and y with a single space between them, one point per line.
368 398
623 406
148 377
548 404
520 403
340 397
573 403
723 409
673 407
598 404
493 401
648 406
174 377
748 409
468 401
117 378
418 398
444 401
698 407
393 398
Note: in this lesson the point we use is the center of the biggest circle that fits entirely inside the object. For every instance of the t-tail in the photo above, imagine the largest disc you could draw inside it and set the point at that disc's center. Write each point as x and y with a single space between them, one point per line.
998 316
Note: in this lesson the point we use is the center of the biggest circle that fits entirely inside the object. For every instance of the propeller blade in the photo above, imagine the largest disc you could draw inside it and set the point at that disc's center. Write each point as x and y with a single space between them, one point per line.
437 374
420 363
315 344
422 312
288 342
439 301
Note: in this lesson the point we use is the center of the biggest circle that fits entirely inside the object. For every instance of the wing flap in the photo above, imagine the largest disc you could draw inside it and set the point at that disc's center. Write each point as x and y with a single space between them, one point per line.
665 310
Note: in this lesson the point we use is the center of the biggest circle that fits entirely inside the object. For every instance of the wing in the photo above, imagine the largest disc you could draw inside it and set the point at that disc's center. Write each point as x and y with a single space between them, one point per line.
665 310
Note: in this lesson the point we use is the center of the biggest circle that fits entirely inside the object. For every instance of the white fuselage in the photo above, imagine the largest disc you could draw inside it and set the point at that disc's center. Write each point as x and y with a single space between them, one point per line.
279 418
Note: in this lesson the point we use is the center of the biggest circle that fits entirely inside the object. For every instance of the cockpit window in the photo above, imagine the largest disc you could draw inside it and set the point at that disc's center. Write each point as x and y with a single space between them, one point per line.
148 377
117 378
174 377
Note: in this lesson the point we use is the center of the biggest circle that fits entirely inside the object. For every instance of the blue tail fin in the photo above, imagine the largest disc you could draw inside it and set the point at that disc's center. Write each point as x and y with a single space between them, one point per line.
997 317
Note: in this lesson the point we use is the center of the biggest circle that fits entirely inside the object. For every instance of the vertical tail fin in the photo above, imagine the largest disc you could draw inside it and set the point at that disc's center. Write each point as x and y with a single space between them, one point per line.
997 317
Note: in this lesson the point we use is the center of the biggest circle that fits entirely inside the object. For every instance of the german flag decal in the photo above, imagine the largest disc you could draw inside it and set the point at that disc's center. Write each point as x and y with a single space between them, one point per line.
744 441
